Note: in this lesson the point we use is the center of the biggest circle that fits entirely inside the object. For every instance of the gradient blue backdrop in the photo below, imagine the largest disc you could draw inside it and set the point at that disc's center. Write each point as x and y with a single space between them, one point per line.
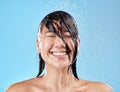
99 29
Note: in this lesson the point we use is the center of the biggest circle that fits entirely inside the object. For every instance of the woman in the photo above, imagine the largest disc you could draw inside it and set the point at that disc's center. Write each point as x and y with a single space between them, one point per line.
58 46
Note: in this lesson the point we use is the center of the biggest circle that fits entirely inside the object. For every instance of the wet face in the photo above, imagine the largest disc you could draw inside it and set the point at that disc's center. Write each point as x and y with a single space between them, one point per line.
53 49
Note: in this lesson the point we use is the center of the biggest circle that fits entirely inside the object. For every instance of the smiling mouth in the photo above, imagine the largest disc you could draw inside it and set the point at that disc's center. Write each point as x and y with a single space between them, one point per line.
59 53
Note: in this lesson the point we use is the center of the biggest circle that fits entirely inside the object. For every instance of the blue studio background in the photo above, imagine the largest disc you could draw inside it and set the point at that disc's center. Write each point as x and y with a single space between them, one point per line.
99 29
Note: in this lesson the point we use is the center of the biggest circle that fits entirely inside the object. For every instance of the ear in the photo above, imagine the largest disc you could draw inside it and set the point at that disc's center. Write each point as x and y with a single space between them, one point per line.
78 42
38 45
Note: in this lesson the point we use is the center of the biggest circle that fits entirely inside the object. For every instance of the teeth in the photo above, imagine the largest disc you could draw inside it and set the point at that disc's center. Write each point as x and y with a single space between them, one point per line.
59 53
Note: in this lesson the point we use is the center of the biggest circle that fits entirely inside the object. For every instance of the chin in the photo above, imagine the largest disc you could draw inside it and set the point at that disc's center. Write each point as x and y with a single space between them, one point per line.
63 66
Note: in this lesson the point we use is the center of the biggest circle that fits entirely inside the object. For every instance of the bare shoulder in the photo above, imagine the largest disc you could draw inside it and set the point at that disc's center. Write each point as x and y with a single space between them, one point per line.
90 86
15 87
24 86
100 87
103 87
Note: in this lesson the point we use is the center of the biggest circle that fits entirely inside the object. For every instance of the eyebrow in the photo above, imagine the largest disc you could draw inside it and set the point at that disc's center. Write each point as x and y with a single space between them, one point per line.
64 32
47 32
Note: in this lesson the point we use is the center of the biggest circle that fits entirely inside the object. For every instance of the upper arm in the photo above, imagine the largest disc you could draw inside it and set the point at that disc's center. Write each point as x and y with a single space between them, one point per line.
106 87
99 87
12 88
16 88
109 88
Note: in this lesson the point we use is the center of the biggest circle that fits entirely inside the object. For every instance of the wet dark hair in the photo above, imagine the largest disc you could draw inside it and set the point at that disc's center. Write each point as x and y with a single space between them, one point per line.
67 21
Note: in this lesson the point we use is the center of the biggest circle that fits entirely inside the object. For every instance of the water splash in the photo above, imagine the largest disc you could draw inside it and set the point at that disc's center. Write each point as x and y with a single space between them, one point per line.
78 9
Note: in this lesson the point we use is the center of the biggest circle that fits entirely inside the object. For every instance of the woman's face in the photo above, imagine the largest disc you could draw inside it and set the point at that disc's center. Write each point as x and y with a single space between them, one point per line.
53 49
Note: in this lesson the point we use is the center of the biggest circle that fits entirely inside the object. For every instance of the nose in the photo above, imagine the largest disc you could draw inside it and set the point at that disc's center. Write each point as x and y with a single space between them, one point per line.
58 42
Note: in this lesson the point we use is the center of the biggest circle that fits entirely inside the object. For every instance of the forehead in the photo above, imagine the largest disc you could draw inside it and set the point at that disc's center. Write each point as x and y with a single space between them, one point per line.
54 26
59 25
46 30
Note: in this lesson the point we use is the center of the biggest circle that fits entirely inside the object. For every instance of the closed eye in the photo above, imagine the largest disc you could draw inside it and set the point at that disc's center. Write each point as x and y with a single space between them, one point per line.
66 35
50 34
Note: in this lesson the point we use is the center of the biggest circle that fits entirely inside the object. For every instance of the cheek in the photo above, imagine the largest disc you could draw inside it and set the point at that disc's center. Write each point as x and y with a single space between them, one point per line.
46 45
45 48
71 45
72 48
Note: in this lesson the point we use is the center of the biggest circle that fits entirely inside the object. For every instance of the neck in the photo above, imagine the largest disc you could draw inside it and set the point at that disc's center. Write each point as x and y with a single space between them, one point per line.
58 78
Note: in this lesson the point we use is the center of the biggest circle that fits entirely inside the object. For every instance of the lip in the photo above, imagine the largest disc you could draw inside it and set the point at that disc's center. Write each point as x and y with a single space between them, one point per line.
59 54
